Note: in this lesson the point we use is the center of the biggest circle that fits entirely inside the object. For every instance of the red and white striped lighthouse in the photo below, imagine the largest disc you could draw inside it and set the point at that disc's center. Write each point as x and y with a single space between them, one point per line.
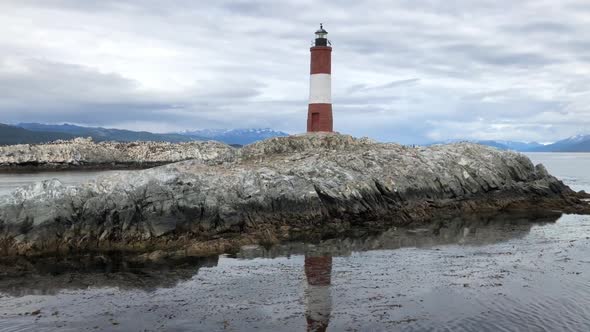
319 114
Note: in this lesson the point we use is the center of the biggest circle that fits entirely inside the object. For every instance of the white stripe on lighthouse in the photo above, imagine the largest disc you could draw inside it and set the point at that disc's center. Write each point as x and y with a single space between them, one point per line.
320 89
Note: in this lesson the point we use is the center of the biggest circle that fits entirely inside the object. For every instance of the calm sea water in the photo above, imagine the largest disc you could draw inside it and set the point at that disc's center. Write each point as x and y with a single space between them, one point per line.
572 168
490 273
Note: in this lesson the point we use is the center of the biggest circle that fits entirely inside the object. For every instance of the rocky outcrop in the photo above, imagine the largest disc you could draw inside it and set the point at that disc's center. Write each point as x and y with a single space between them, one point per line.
84 153
274 189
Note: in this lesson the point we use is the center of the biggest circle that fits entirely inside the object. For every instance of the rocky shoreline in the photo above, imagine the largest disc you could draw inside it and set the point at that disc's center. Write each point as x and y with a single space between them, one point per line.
275 190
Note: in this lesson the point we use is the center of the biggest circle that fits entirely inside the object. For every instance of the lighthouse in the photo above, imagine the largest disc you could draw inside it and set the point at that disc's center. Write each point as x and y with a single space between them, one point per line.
319 114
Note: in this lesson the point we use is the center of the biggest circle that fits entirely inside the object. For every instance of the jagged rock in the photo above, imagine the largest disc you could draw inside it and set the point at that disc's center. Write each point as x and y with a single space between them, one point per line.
297 181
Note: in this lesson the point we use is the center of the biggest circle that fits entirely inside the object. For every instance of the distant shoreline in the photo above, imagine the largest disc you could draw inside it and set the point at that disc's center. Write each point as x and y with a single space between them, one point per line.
35 168
85 154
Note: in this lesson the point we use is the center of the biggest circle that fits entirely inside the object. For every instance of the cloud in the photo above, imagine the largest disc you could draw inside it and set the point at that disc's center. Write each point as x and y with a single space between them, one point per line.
393 84
541 27
409 71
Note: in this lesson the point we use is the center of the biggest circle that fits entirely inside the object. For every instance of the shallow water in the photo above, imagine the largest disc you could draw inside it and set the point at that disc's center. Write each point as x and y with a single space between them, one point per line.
572 168
484 273
490 274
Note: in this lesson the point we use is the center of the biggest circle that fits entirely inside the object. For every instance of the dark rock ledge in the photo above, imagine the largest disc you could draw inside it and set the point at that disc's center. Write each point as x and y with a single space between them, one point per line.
274 190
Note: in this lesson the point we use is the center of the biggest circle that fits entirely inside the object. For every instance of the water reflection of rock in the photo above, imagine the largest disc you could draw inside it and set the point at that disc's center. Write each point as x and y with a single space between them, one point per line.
49 275
467 230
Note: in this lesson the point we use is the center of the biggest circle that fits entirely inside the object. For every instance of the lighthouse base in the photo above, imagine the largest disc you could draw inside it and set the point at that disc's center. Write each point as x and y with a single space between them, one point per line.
319 118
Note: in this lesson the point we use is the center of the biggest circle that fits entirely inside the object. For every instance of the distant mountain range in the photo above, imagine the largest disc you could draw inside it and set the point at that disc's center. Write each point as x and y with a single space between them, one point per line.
235 136
15 135
40 133
579 143
511 145
103 134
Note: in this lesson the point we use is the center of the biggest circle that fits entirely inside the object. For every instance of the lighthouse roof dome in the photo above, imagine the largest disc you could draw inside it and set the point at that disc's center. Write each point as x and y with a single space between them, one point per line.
321 30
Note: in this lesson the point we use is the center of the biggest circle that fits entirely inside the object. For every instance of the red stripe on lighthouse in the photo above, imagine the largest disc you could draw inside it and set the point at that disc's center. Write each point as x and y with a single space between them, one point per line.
321 62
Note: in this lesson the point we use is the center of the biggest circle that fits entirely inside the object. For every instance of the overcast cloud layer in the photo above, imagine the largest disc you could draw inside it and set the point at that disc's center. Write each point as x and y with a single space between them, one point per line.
408 70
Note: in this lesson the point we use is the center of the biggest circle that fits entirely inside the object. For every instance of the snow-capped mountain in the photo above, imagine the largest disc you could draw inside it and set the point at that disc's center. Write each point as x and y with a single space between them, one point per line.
578 143
235 136
514 145
579 138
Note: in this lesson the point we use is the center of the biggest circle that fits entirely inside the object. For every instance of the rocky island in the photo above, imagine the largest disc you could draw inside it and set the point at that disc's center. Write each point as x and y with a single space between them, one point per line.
275 190
84 153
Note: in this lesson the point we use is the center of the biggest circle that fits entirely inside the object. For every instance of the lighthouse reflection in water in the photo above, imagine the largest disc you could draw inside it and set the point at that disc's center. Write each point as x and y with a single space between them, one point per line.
318 297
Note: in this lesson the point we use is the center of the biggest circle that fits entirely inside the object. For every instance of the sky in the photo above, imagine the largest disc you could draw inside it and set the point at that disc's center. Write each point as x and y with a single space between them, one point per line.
409 71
